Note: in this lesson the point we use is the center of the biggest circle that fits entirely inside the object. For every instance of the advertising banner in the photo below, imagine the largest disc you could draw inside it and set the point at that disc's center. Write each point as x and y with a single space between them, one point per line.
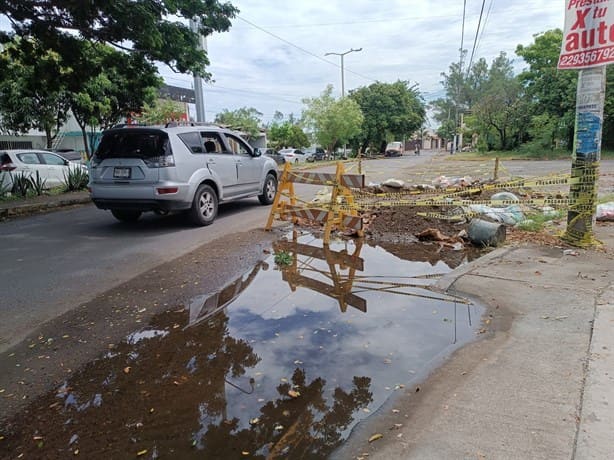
588 38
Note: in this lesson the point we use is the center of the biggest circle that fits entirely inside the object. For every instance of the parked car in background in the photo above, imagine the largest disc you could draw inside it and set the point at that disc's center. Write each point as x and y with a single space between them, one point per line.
177 169
274 154
341 154
315 154
293 155
394 149
51 168
70 155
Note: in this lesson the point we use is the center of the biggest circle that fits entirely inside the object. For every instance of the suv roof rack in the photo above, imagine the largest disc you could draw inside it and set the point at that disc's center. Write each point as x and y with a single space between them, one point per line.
174 124
128 125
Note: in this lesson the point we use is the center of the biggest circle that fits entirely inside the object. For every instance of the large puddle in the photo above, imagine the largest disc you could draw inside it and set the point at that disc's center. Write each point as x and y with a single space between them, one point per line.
283 362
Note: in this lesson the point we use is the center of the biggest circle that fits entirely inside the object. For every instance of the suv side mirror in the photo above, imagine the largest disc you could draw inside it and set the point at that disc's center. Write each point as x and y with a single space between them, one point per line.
256 153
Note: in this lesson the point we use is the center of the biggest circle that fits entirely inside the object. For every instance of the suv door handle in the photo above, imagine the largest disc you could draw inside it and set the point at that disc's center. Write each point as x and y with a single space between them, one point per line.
210 161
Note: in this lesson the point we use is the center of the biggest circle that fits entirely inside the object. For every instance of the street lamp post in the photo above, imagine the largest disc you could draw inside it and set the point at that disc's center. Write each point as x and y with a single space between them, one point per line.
352 50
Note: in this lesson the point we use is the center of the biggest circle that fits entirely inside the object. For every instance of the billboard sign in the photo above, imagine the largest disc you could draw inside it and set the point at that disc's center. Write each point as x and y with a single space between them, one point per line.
588 38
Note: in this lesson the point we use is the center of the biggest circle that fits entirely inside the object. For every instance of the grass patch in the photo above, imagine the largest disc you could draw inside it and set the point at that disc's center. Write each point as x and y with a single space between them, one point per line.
606 198
536 222
522 154
10 197
283 258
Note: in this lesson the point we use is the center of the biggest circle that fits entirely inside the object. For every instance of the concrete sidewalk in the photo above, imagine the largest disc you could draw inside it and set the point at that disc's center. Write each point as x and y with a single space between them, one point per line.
540 382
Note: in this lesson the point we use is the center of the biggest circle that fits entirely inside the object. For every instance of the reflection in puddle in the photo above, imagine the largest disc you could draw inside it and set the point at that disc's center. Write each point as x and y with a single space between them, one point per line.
136 337
267 367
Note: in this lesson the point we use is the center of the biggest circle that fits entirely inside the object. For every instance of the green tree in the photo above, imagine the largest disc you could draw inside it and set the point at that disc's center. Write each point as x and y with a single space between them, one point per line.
463 89
107 85
551 92
332 121
391 111
287 134
501 110
246 119
608 110
150 27
160 111
32 90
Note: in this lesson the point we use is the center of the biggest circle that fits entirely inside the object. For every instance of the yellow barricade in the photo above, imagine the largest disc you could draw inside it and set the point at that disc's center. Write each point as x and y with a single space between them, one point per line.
340 212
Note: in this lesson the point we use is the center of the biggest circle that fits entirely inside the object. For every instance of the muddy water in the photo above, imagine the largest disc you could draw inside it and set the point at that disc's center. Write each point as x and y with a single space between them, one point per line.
282 362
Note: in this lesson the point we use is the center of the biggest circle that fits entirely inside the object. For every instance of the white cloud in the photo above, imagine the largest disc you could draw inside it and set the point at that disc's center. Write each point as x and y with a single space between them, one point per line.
408 40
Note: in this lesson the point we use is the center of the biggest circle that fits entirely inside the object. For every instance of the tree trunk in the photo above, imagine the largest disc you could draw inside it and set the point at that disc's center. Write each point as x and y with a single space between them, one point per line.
49 137
363 147
86 144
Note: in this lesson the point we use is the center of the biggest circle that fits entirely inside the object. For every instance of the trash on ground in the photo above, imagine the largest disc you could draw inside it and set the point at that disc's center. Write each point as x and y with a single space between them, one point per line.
509 215
503 196
605 211
394 183
323 196
484 233
444 181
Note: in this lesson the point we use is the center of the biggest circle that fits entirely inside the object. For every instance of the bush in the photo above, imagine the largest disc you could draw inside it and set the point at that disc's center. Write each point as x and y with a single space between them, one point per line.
38 184
76 179
21 184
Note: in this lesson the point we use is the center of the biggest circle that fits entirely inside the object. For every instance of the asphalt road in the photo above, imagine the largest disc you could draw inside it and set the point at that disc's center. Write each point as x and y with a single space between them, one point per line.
51 263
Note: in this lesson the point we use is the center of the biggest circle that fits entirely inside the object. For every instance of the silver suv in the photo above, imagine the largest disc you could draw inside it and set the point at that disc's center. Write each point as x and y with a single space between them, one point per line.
180 168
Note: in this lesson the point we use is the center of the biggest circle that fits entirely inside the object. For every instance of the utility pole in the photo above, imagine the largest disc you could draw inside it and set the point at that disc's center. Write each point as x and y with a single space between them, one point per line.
590 100
582 18
199 94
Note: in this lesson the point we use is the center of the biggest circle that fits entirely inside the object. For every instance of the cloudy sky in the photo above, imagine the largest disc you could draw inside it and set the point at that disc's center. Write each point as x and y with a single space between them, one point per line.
273 56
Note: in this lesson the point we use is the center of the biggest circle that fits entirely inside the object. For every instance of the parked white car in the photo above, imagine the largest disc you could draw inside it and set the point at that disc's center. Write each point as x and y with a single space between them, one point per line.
51 168
294 156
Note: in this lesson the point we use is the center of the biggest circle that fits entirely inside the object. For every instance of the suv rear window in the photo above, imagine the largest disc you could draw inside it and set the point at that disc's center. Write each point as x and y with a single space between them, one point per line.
133 144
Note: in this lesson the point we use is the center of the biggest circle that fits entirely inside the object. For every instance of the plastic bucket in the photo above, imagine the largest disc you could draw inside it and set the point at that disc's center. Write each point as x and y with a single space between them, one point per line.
485 233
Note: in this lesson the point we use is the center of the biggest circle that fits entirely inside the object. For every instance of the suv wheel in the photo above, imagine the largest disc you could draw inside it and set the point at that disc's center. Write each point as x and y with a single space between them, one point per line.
124 215
204 206
269 190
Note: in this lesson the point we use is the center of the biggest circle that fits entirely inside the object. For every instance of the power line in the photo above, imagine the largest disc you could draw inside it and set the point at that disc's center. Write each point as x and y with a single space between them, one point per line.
302 49
475 40
389 19
217 88
485 22
255 93
460 64
349 23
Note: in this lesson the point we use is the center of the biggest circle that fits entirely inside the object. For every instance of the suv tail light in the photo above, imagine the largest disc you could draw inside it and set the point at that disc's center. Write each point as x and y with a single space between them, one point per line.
164 161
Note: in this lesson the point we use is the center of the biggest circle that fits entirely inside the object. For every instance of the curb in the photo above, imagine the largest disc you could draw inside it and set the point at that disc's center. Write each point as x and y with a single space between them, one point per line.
34 208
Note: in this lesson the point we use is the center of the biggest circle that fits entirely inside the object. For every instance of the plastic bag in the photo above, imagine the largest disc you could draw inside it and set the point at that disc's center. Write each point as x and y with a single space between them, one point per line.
509 215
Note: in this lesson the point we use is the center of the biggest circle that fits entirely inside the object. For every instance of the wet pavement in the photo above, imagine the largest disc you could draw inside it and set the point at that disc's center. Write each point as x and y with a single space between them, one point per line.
283 362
